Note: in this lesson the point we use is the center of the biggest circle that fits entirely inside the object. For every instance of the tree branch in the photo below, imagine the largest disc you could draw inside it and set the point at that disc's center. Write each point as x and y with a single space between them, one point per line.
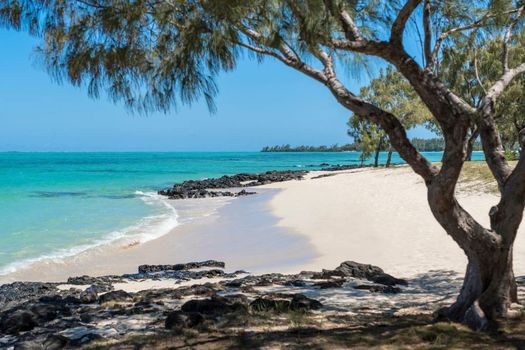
396 35
506 39
490 137
287 55
476 71
351 30
389 123
428 32
476 24
499 86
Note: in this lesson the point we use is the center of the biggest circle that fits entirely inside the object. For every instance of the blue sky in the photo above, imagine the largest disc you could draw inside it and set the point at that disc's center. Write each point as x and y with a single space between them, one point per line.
258 105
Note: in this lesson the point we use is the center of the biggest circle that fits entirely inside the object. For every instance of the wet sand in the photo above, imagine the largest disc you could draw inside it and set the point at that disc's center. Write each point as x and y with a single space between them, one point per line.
242 232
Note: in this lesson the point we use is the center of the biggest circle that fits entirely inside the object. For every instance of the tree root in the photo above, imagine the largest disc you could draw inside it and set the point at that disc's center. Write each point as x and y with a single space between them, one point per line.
475 317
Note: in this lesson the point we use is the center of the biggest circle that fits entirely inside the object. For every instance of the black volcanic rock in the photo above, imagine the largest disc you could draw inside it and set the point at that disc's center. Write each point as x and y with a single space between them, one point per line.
181 267
115 296
216 305
18 321
379 288
17 291
178 319
209 187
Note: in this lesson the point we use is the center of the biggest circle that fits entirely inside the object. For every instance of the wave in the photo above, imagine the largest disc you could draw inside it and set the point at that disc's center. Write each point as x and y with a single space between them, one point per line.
147 229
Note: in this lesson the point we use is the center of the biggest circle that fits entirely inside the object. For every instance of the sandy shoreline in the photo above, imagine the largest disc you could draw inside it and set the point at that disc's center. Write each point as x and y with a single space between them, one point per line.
242 232
371 216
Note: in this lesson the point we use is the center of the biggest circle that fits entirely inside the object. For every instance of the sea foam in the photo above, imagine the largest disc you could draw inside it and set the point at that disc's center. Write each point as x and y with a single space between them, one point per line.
147 229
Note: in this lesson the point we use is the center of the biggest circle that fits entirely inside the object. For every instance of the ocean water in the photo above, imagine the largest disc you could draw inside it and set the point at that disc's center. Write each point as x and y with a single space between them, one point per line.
55 205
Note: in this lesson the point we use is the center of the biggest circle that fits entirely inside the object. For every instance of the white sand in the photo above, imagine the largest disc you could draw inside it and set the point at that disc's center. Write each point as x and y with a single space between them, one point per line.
379 217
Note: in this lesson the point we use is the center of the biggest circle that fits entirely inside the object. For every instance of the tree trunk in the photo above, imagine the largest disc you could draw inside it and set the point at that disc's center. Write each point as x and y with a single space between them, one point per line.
488 290
378 150
389 158
470 144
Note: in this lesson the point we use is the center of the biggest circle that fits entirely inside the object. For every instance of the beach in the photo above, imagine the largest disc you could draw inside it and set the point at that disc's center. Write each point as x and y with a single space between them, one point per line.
373 216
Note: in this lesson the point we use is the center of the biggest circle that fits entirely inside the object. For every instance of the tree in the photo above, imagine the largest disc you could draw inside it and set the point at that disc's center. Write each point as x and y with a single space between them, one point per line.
154 54
468 66
368 137
391 92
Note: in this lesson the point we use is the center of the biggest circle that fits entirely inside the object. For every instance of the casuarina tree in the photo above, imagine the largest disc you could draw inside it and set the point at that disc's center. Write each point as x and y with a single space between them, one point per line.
154 54
392 93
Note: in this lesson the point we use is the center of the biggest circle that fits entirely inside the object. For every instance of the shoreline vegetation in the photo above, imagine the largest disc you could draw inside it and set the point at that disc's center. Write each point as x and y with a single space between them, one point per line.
421 144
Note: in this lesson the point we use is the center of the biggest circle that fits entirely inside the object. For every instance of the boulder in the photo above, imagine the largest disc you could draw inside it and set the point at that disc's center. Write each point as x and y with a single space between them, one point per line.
179 320
284 303
18 321
29 345
48 312
266 304
181 267
55 342
379 288
388 280
115 296
19 292
357 270
301 302
88 296
362 271
216 305
330 284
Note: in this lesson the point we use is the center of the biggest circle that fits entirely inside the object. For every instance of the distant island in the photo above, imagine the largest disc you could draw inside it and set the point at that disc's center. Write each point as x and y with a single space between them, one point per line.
333 148
422 145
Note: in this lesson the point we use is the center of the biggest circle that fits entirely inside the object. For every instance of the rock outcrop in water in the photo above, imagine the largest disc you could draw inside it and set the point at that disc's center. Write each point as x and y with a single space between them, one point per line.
43 316
211 187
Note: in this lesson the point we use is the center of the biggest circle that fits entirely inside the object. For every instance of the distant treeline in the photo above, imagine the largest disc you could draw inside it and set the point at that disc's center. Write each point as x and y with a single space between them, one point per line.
436 145
422 145
288 148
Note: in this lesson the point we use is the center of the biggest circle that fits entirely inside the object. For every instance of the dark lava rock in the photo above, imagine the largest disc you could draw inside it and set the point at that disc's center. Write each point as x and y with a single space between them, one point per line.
48 312
295 283
264 304
19 292
179 319
55 342
284 302
181 267
357 270
29 345
100 282
330 284
99 288
115 296
388 280
204 188
342 167
88 296
379 289
216 305
327 274
18 321
361 271
301 302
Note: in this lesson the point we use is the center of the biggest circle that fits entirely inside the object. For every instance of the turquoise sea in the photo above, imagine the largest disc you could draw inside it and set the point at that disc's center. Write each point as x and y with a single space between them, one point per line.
55 205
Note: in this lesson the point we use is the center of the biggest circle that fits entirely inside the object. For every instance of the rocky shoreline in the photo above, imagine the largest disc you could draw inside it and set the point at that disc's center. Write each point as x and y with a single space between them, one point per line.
86 310
215 187
225 186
